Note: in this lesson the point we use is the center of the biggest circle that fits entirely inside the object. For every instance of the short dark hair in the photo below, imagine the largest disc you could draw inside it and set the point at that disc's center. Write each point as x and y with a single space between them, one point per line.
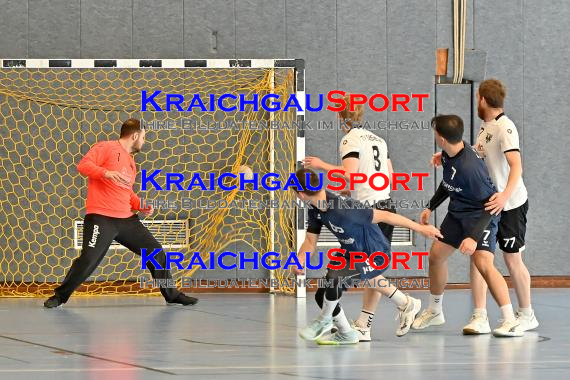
314 181
494 92
450 127
129 127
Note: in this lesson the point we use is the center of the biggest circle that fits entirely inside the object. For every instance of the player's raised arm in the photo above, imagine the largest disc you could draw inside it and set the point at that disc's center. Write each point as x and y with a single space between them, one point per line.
349 165
428 231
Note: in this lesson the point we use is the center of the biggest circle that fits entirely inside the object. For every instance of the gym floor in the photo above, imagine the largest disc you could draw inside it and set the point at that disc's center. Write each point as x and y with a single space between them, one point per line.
245 336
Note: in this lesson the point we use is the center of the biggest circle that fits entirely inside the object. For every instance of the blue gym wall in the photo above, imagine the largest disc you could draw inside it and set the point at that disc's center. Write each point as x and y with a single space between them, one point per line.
369 46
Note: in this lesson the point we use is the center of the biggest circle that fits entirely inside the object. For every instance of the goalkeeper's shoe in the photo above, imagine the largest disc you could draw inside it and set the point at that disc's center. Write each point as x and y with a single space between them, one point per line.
52 302
184 300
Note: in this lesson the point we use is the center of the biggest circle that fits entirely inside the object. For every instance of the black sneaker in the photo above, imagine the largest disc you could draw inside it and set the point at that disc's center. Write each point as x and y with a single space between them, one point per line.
52 302
183 299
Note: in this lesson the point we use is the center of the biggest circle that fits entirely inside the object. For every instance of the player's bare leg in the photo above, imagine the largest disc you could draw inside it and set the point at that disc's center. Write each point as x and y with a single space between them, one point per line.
433 315
521 281
520 276
370 300
331 315
479 323
408 306
483 260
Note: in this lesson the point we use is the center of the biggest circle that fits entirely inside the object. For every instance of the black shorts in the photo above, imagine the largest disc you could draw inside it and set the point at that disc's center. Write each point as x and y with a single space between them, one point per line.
387 229
512 229
455 230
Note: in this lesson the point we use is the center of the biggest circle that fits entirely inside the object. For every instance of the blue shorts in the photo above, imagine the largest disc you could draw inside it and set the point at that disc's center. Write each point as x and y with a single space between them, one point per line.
361 271
455 230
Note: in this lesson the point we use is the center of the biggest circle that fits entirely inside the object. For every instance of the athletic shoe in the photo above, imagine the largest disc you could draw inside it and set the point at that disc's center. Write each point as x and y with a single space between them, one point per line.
52 302
183 299
479 324
428 318
363 332
508 328
338 338
407 315
316 329
527 322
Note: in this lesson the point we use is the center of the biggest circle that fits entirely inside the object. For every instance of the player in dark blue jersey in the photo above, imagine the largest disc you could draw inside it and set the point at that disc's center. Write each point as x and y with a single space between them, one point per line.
357 230
467 225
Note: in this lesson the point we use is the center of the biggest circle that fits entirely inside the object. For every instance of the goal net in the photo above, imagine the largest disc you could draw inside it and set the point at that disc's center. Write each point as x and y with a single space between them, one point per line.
50 117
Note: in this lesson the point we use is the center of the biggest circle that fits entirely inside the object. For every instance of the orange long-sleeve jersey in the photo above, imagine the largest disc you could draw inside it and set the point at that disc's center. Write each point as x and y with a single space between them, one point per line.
104 196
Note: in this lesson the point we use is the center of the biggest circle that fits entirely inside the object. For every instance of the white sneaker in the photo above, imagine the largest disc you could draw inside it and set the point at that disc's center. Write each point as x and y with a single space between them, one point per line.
479 324
508 329
428 318
338 338
408 315
316 329
363 332
527 322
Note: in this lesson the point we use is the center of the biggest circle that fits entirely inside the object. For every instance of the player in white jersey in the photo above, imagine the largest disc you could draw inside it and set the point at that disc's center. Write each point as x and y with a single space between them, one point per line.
498 144
363 152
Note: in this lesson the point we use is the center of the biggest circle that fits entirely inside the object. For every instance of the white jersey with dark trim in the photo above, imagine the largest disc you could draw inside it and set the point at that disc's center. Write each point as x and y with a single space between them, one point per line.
497 137
372 153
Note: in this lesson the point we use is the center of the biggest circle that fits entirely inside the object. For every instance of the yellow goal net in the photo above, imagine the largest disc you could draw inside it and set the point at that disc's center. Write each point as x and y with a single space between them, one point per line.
50 117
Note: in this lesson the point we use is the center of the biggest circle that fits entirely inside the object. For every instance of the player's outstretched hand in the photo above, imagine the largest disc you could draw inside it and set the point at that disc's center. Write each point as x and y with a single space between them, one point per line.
431 232
424 216
468 246
436 160
313 163
116 177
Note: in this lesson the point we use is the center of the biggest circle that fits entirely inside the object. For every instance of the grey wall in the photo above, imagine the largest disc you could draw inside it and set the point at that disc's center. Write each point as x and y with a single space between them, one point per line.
367 46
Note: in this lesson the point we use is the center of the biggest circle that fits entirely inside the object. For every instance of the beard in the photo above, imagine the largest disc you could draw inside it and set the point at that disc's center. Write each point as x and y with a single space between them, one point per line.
480 112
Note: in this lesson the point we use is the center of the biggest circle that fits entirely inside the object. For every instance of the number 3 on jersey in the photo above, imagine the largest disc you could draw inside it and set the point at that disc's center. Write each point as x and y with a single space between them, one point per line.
376 154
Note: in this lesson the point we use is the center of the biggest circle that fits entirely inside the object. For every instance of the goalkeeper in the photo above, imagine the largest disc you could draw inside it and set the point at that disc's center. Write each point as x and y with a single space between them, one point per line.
111 171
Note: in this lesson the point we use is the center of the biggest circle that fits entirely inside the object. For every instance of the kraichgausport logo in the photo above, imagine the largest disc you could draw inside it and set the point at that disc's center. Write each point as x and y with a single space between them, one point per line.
274 102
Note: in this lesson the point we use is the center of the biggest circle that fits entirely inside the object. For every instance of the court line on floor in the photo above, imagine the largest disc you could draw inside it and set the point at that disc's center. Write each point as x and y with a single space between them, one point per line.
87 355
288 367
247 345
104 369
237 317
364 365
17 360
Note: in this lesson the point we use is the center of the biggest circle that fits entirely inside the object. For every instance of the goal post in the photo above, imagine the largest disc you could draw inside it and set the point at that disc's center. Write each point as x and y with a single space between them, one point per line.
53 110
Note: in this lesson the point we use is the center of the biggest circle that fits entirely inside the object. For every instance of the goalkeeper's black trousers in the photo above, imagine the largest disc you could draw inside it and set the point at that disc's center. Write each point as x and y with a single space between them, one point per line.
99 231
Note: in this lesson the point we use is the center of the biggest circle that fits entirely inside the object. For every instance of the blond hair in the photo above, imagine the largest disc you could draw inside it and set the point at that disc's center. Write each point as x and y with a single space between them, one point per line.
350 116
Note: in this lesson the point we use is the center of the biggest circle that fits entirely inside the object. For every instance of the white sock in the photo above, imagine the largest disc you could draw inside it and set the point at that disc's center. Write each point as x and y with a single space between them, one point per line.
365 319
435 302
341 322
328 308
482 312
399 298
507 312
527 311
